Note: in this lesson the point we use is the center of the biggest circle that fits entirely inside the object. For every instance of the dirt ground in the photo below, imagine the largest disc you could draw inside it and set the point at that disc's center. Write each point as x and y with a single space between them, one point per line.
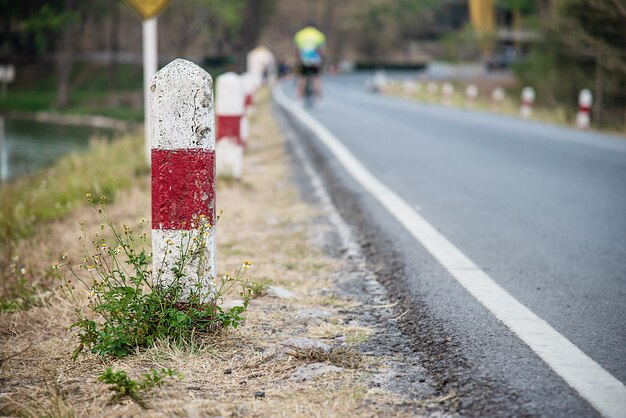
265 368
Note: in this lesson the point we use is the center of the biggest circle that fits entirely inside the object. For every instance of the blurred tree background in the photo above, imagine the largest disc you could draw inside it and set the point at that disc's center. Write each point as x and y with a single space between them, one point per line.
85 56
583 46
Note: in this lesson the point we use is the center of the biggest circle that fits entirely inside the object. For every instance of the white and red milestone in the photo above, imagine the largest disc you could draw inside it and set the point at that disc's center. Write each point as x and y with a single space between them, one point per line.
528 98
583 117
229 111
182 137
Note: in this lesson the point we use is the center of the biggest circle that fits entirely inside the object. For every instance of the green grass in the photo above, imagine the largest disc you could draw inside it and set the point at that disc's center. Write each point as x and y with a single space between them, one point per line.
28 203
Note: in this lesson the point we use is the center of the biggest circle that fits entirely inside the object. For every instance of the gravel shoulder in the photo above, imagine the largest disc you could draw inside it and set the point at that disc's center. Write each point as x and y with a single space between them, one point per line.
322 339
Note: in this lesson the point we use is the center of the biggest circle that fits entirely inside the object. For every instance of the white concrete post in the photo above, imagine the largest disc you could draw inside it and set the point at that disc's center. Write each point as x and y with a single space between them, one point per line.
229 111
7 75
182 136
497 95
528 98
448 91
585 100
471 92
432 88
409 87
251 82
261 62
150 64
380 80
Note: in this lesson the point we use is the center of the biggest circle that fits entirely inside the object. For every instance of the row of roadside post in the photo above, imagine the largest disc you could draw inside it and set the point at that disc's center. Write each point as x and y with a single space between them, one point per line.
497 96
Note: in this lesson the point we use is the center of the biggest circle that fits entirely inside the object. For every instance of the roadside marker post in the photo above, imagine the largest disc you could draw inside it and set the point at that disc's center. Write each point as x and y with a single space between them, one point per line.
409 87
448 91
148 10
471 91
528 98
497 95
229 111
7 75
585 100
251 83
182 138
432 88
261 62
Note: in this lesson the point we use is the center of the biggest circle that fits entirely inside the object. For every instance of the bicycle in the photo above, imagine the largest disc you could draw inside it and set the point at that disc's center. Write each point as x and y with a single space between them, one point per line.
309 93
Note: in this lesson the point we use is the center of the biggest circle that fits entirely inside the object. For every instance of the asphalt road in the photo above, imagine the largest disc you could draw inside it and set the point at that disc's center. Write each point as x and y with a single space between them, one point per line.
541 209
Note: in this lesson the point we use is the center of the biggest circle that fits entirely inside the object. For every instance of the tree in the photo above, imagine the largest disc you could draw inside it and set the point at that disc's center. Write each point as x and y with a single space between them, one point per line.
54 27
584 46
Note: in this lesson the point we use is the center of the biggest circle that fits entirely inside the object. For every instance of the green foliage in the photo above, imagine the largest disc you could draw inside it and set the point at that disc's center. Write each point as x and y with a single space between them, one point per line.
47 21
133 310
582 47
21 296
124 386
524 6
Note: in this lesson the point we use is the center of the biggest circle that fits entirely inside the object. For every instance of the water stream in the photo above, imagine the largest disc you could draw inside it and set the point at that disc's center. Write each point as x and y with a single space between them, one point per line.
28 146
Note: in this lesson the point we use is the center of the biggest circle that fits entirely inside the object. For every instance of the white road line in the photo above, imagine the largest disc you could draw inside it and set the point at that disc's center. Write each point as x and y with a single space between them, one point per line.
603 391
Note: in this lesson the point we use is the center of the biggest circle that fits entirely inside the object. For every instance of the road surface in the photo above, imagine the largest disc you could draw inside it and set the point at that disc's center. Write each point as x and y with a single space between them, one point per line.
539 210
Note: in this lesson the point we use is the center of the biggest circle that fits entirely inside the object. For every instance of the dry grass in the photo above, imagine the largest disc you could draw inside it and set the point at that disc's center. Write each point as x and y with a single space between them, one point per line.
263 221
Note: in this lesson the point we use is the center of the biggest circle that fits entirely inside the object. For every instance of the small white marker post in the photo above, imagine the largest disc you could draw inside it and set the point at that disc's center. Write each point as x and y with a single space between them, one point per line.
497 95
585 100
448 91
251 83
380 80
261 62
409 87
229 111
528 98
471 91
432 88
183 178
7 75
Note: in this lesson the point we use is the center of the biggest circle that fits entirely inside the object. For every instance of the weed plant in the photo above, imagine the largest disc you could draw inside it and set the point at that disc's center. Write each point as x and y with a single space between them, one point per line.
124 386
28 203
127 309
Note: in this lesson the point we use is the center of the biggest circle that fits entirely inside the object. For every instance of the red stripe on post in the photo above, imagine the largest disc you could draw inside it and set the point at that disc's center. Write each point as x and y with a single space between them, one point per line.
228 126
182 187
248 101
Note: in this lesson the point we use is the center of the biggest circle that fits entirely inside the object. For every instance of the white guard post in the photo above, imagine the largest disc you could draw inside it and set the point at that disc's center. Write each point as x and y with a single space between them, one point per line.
7 75
183 176
229 111
497 95
251 83
261 62
409 87
432 88
528 98
471 91
448 91
585 100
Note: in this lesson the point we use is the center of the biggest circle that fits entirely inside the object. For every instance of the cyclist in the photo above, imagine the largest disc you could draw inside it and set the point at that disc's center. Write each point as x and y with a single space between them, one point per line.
310 42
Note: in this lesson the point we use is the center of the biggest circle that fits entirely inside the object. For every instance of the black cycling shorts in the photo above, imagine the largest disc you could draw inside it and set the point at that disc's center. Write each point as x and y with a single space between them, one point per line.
306 70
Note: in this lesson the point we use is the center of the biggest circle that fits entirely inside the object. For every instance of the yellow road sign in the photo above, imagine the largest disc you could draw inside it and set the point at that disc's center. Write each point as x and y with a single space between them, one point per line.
148 8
